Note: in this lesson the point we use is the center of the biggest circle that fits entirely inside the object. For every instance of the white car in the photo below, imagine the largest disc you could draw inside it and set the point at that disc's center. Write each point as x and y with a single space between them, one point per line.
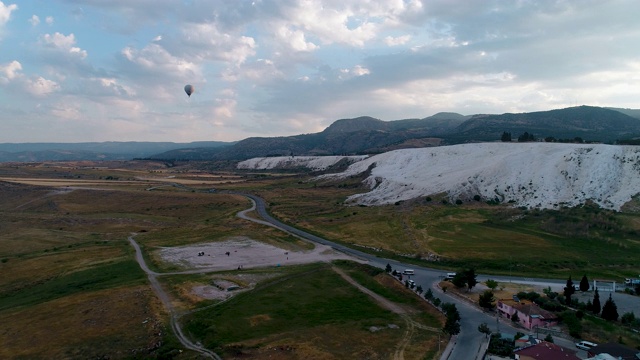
585 345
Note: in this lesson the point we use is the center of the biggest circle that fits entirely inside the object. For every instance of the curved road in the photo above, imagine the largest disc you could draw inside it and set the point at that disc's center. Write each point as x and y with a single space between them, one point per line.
467 343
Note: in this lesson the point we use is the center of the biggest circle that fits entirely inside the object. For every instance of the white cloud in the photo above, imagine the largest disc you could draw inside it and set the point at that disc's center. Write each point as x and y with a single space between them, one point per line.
49 20
295 39
5 12
155 58
64 43
10 71
41 86
206 42
395 41
35 20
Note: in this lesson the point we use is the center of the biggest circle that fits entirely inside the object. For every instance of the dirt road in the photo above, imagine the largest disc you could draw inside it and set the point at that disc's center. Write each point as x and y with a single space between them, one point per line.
164 297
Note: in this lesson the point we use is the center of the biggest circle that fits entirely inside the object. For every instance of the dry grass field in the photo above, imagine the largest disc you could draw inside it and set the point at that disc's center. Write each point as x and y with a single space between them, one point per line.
71 288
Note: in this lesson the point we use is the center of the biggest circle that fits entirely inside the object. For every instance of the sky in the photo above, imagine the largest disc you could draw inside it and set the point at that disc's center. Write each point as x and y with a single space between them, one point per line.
115 70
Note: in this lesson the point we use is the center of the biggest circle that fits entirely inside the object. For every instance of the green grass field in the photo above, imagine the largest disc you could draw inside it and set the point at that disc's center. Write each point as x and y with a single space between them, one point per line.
311 303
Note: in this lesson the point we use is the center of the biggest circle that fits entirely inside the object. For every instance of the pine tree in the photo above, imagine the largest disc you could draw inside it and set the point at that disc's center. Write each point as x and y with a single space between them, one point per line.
470 276
584 284
610 310
568 291
595 307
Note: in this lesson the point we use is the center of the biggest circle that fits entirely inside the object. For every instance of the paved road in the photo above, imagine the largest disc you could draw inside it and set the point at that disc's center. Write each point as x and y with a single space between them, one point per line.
468 341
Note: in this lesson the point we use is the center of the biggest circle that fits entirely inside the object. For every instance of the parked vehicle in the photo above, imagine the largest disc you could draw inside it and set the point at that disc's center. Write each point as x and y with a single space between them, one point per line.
585 345
632 282
450 276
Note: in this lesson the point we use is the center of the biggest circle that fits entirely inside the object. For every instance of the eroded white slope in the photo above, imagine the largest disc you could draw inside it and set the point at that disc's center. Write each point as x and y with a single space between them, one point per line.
288 162
540 175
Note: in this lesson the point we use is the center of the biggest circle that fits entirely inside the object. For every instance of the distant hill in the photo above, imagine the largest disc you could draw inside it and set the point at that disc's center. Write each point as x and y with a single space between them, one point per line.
112 150
535 175
368 135
587 122
363 135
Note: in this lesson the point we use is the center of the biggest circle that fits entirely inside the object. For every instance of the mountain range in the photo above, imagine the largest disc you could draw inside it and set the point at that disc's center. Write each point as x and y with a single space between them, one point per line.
359 136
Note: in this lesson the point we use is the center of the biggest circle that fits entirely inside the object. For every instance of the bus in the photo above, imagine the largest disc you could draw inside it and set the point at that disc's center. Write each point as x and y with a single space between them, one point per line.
408 272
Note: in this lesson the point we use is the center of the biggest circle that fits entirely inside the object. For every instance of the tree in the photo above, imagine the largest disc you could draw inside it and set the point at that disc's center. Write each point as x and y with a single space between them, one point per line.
628 318
526 137
568 291
548 338
452 324
459 280
406 284
610 310
491 284
514 317
584 284
484 328
595 307
470 276
419 289
486 300
506 137
388 268
429 294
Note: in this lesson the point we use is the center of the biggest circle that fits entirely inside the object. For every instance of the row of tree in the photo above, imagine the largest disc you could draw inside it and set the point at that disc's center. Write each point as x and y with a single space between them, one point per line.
527 137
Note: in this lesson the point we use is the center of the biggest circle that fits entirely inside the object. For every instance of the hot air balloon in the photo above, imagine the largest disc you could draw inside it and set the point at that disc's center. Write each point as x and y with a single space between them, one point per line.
189 89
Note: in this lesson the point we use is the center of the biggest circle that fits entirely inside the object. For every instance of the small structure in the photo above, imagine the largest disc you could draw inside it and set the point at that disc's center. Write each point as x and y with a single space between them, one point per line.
529 314
544 351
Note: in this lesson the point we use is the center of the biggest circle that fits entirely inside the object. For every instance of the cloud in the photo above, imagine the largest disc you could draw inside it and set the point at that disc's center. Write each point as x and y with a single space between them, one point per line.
35 20
49 20
64 43
40 86
9 71
395 41
5 12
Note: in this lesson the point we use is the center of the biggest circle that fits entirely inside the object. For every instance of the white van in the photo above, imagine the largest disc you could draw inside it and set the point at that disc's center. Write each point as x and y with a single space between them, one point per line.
450 276
585 345
408 272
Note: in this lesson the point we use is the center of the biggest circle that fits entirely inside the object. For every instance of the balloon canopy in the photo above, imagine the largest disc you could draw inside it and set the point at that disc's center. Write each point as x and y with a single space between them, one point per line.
189 89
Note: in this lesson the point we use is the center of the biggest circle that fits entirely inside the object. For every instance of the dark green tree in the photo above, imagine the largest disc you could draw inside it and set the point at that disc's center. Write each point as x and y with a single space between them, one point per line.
514 317
584 283
429 294
492 284
459 280
526 137
419 289
452 324
596 307
486 300
568 291
628 318
506 137
548 338
484 328
470 275
388 268
610 310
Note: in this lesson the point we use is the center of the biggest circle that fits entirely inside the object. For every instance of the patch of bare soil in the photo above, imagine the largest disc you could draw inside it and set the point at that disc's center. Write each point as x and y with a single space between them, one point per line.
243 253
239 253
